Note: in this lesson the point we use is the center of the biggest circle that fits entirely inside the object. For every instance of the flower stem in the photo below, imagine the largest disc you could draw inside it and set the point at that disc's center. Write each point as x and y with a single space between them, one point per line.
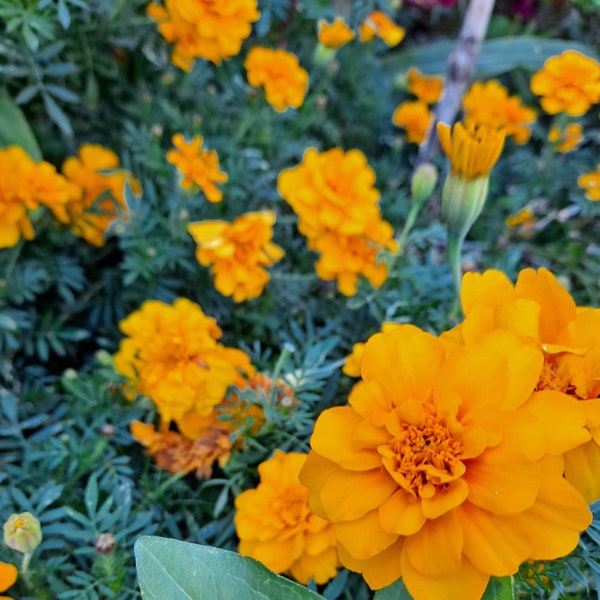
500 588
455 243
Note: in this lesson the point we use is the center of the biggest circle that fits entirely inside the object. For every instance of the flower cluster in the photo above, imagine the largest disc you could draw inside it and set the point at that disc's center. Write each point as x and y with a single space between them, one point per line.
285 81
100 198
334 196
238 253
378 24
198 167
171 355
334 35
204 29
569 83
566 139
455 438
26 185
276 526
489 105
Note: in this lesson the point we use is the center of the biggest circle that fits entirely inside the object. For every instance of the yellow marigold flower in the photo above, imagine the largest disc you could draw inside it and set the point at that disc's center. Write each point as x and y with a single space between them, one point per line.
238 253
379 24
590 182
567 139
353 361
336 34
100 200
172 356
569 83
487 104
284 80
276 526
524 217
438 472
539 309
8 576
427 89
205 29
199 167
415 117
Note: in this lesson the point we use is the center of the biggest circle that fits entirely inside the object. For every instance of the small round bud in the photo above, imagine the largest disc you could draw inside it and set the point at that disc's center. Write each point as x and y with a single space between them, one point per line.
107 430
70 374
105 543
423 182
22 532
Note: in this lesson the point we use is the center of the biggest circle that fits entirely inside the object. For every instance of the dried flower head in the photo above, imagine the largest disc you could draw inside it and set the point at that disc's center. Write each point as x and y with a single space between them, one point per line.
415 117
105 543
335 34
276 526
279 72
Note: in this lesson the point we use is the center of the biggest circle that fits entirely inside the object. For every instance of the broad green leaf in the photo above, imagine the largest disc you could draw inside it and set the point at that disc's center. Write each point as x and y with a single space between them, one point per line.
497 56
499 588
14 129
395 591
181 571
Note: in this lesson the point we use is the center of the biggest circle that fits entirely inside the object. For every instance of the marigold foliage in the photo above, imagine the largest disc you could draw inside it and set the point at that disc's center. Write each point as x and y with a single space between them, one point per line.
440 470
487 104
334 196
335 34
284 80
172 356
378 24
427 88
415 117
276 526
208 29
566 139
539 309
198 167
569 83
590 182
100 198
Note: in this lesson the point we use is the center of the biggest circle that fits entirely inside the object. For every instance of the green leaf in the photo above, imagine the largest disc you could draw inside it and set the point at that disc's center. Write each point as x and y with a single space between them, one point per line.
182 571
499 588
395 591
14 129
497 56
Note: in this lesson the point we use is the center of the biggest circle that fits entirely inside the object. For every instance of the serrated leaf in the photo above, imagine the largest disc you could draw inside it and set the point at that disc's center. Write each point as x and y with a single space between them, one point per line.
183 571
14 129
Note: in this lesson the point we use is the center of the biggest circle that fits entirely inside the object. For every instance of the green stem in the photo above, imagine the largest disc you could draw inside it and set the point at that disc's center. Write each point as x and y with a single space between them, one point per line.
455 243
415 209
500 588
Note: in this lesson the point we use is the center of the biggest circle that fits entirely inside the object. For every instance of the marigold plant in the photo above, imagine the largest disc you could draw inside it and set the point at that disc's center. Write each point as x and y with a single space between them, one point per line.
415 117
427 88
379 24
538 308
198 167
205 29
284 80
440 471
335 34
238 253
276 526
569 83
590 182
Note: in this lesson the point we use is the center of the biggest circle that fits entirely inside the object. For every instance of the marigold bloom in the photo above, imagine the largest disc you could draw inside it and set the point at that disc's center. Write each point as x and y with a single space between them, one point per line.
276 526
567 139
199 167
539 309
487 104
590 182
206 29
8 576
336 34
427 89
415 117
524 217
569 83
439 471
334 196
379 24
101 183
353 361
172 356
238 253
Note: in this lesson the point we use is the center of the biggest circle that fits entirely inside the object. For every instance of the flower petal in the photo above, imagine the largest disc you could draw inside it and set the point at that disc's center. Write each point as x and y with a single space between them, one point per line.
401 514
445 499
364 538
582 470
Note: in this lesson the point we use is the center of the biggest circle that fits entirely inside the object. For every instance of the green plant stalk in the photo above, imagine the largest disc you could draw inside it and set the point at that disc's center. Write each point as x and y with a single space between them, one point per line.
500 588
415 209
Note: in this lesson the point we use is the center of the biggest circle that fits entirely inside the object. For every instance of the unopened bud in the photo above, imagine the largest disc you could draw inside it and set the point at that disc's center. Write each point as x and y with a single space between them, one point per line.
105 543
423 182
22 532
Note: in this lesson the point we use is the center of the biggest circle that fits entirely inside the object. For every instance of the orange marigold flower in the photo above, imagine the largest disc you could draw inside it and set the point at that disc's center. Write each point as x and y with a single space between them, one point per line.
336 34
284 80
199 167
487 104
379 24
415 117
176 454
524 217
172 356
353 361
540 309
276 526
100 200
334 196
206 29
238 253
566 139
437 472
427 89
569 82
590 182
8 576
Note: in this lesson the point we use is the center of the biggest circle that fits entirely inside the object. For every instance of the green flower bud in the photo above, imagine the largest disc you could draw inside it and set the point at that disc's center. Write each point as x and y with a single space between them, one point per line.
462 202
423 183
22 532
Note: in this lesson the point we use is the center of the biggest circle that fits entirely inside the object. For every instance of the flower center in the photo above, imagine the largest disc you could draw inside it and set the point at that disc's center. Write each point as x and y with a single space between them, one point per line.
423 457
291 507
551 380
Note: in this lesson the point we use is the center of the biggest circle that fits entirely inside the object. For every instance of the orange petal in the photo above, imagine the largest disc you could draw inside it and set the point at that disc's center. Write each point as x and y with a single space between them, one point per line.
445 500
582 470
363 538
314 473
401 514
488 289
8 575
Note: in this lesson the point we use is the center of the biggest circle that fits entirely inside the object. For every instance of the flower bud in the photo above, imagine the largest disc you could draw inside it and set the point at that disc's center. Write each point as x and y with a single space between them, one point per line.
462 202
423 182
22 532
105 543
